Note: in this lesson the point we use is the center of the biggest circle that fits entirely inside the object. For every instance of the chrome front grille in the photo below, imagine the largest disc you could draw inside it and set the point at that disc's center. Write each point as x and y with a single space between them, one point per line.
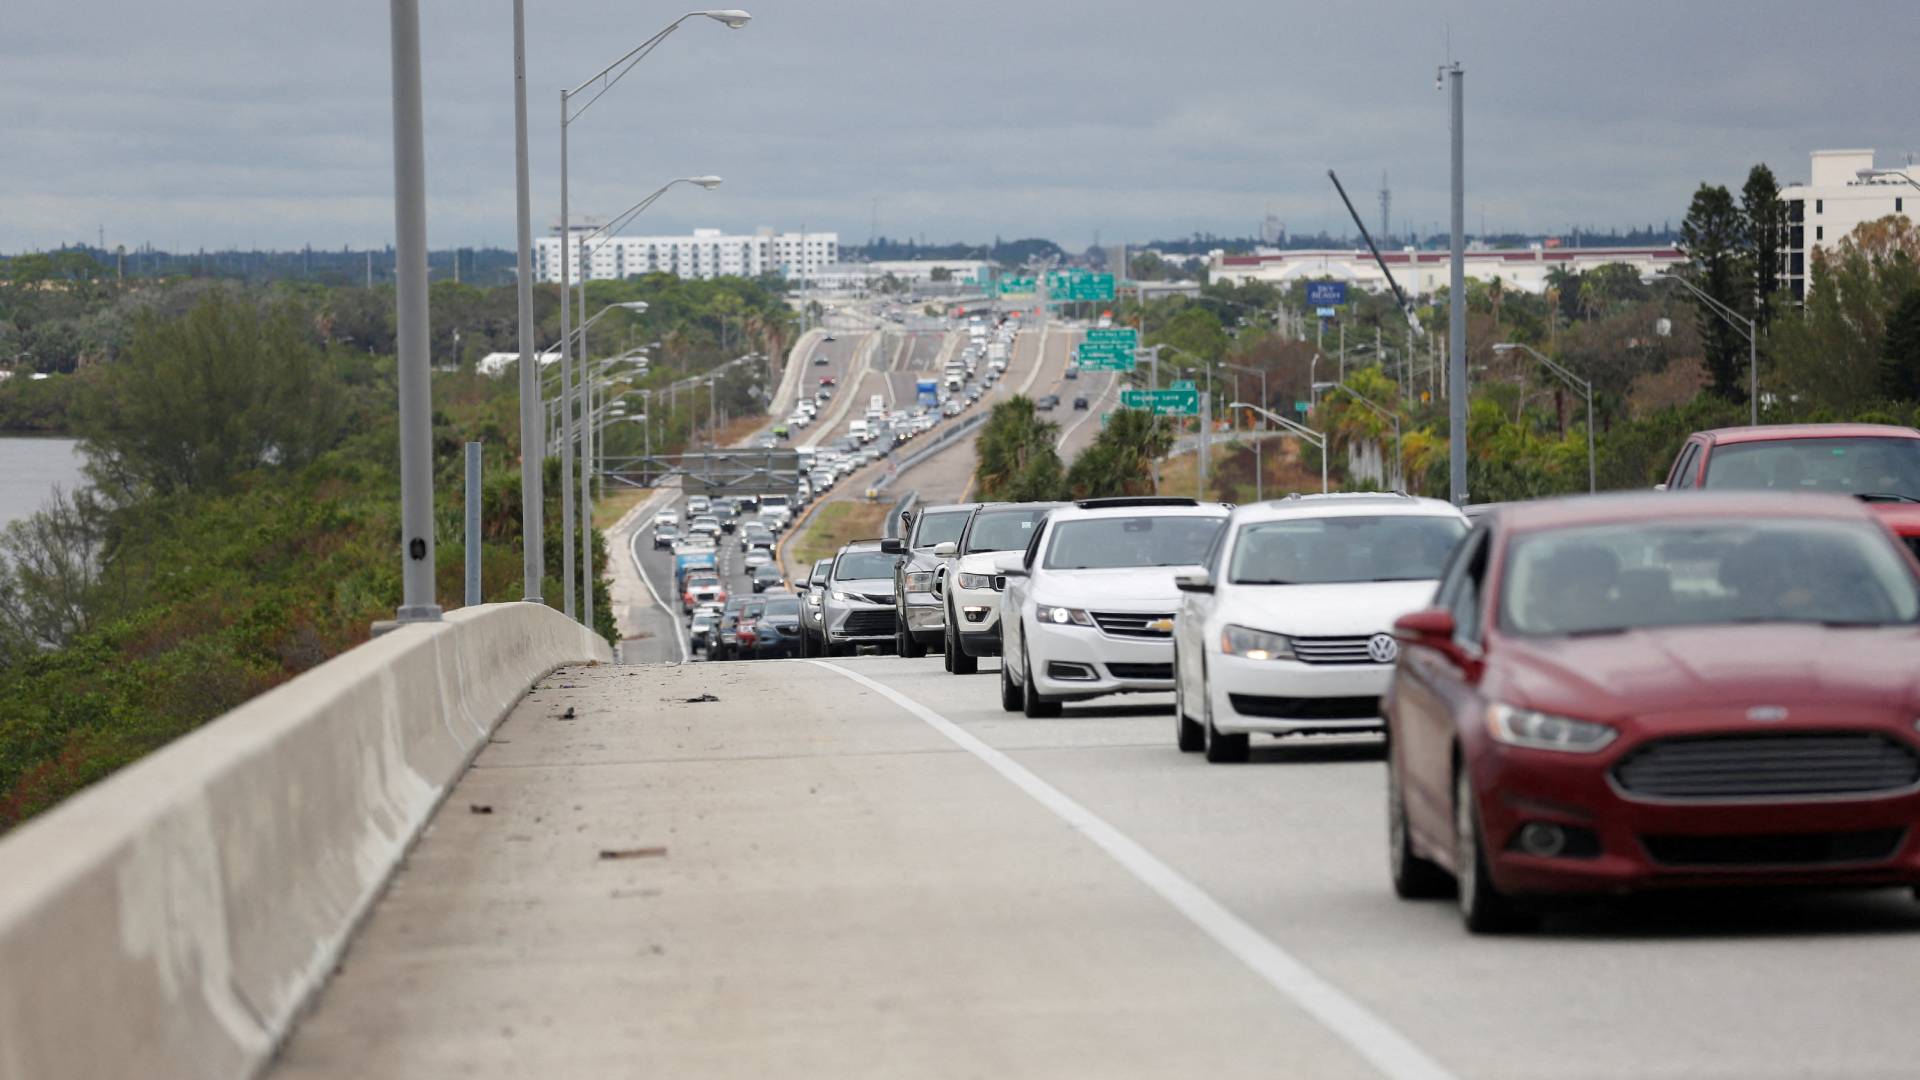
1132 623
1777 766
1332 650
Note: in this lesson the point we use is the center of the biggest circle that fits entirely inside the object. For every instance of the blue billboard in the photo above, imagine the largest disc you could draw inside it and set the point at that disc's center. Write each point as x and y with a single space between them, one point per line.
1326 293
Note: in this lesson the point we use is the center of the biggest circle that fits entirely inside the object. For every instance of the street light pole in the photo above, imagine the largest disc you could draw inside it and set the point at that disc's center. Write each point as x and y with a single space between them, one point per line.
1457 297
533 438
1585 386
1259 484
1383 414
1733 319
1318 439
410 293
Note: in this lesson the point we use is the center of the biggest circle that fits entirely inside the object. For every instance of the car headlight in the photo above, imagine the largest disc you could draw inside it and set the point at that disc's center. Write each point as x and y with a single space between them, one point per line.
976 581
1064 616
919 581
843 597
1244 641
1545 731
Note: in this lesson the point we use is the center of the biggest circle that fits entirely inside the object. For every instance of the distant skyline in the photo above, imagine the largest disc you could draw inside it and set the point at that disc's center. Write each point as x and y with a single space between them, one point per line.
217 124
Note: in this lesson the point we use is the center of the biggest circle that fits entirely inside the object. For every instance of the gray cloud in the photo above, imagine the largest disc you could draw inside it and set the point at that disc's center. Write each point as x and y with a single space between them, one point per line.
219 123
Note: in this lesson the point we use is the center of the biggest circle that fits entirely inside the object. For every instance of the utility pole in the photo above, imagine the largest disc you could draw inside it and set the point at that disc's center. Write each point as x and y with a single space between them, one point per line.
533 437
416 389
1457 297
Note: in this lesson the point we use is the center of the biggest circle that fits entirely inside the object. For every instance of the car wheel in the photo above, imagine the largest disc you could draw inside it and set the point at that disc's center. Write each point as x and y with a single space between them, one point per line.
1012 695
959 661
806 643
1414 878
1221 748
1187 733
1483 907
910 646
1037 706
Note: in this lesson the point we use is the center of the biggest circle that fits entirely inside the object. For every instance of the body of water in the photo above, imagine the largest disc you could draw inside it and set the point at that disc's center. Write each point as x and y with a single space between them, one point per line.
29 471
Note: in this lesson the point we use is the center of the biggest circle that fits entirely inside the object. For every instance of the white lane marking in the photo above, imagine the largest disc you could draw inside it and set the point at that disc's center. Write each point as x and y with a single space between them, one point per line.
1370 1036
672 614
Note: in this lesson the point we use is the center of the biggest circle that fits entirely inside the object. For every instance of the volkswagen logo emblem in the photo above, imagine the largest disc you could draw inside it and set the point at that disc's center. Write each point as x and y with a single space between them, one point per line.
1383 649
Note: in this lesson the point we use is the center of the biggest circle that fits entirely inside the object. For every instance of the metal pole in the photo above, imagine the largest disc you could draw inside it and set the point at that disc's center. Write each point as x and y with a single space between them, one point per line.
533 437
410 296
1593 483
1457 302
1753 375
473 524
587 572
566 379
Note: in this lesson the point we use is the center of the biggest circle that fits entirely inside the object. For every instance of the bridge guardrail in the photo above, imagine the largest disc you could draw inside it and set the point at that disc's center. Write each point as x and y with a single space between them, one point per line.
172 920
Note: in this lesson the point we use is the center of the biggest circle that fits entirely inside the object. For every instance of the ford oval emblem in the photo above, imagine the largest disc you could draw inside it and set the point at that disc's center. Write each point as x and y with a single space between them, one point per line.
1767 714
1383 649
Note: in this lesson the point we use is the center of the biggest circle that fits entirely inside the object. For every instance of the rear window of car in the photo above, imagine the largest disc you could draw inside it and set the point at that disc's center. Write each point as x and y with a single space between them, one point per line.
1868 465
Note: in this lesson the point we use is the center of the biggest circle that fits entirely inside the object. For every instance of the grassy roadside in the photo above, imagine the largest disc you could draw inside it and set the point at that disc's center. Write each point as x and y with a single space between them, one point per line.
1231 470
836 524
619 499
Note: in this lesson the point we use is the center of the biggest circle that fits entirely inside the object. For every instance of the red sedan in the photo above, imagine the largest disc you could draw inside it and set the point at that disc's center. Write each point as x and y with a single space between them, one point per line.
1632 692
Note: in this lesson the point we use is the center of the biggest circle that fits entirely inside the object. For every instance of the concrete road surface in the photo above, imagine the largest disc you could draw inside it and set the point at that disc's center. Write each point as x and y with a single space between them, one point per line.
866 868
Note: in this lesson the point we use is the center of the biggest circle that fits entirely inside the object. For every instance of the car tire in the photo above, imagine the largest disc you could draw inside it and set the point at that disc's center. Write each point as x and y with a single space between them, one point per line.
959 661
806 644
1037 706
1013 696
1221 748
1414 878
1483 907
1188 735
910 646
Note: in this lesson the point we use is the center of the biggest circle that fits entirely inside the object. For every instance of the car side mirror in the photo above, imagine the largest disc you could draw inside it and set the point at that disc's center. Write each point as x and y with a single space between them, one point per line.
1659 487
946 550
1194 581
893 545
1009 564
1434 628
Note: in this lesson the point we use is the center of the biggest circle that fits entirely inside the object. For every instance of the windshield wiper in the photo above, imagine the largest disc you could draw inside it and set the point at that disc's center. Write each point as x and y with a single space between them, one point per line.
1884 496
1262 581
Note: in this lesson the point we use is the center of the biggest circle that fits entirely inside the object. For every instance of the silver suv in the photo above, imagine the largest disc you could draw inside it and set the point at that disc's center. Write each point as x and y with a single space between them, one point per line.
812 592
919 620
858 608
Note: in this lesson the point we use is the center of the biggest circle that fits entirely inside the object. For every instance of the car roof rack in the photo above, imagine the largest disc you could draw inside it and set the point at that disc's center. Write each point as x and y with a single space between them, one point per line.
1121 501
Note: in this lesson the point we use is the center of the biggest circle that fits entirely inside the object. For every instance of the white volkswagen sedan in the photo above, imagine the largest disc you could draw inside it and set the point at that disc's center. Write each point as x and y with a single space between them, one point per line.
1088 606
1288 630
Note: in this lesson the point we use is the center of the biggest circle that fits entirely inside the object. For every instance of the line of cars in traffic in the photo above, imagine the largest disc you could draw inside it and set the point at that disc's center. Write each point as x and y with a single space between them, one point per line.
1581 697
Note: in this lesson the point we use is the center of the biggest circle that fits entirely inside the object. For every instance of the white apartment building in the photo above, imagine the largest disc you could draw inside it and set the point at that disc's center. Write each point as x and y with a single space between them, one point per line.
1831 204
1420 273
706 253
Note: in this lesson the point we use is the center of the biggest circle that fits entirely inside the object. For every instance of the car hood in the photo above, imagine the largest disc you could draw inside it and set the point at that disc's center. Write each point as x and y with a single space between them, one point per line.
1342 610
881 587
980 562
1693 668
1145 588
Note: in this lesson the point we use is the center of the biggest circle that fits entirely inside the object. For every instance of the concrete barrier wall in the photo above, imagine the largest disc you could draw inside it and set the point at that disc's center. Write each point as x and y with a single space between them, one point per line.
172 920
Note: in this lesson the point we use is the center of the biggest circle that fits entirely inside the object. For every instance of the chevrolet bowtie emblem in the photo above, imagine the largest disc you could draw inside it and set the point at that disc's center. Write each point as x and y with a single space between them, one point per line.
1164 626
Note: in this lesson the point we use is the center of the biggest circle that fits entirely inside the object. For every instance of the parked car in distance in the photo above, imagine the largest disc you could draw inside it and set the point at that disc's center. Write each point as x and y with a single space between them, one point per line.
1628 692
1289 629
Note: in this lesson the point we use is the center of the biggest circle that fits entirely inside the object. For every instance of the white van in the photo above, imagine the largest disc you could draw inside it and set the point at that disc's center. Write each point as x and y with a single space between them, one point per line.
877 402
858 429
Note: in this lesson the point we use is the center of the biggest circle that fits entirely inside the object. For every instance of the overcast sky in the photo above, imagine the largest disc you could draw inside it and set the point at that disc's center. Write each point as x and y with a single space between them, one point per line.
267 123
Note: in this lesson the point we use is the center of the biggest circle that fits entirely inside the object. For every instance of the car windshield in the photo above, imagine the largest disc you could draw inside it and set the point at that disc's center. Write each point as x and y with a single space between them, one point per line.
1333 550
820 570
779 609
1849 466
753 609
767 571
860 565
1602 579
1004 530
1109 543
939 528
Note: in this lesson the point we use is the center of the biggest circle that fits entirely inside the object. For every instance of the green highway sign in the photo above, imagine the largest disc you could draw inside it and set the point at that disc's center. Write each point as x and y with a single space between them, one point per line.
1163 402
1302 406
1016 285
1183 384
1119 336
1104 357
1079 285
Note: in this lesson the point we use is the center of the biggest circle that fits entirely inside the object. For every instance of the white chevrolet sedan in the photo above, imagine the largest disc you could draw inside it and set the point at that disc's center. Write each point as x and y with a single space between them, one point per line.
1289 628
1089 605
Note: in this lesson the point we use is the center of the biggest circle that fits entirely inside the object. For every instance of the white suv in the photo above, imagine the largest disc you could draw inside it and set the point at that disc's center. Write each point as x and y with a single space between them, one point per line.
1289 629
1088 606
967 586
